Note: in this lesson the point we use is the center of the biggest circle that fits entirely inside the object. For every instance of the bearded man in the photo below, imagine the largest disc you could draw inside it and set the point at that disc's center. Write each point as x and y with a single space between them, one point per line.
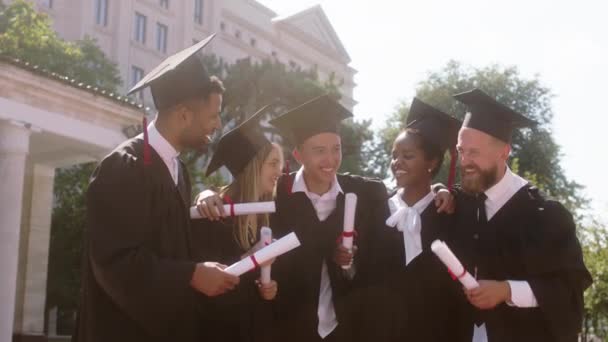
521 246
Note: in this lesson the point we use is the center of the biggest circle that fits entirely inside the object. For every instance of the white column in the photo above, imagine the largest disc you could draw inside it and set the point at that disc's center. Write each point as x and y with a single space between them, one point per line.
14 147
36 230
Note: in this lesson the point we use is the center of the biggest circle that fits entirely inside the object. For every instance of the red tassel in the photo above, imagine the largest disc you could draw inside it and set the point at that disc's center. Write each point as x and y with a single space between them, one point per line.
452 174
229 201
288 182
147 157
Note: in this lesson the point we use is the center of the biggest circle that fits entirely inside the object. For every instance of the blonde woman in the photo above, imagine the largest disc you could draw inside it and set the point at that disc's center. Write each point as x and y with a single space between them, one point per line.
255 164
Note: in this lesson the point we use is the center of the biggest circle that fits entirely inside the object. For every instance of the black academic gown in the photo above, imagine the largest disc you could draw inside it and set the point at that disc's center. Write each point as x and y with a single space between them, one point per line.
533 239
238 315
137 263
299 271
426 304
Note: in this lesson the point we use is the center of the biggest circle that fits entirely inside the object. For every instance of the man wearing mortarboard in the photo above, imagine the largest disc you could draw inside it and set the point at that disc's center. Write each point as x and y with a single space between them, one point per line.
521 246
139 280
316 298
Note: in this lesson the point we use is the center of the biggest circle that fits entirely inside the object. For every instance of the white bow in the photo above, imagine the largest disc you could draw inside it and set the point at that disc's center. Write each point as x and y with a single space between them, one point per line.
406 217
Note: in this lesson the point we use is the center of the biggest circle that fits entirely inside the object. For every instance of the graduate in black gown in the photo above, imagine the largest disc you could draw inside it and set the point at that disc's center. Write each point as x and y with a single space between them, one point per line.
424 302
255 163
521 245
139 280
316 295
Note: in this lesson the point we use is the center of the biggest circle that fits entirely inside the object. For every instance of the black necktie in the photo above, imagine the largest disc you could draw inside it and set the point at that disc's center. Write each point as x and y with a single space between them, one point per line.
482 220
182 188
480 201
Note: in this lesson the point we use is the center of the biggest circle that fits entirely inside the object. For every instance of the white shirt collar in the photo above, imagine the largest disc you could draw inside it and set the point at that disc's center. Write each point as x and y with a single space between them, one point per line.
499 194
165 150
299 185
160 144
420 206
509 184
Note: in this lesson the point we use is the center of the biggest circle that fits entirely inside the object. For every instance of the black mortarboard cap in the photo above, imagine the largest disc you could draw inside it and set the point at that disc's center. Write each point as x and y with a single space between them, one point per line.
180 77
238 147
319 115
434 125
490 116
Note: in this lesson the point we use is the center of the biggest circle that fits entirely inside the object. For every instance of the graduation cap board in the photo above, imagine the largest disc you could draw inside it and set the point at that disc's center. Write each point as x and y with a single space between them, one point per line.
490 116
434 125
238 147
180 77
319 115
437 128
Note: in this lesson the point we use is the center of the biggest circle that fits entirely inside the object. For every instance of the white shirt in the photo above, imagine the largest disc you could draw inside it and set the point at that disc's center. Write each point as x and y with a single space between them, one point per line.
165 150
498 195
407 220
324 205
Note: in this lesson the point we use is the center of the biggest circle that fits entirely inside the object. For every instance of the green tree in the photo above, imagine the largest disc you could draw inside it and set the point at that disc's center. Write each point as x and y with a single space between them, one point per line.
536 151
65 252
595 252
252 85
28 35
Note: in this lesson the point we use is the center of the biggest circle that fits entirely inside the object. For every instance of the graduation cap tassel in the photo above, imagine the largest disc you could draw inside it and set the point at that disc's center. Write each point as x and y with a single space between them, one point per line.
147 157
452 174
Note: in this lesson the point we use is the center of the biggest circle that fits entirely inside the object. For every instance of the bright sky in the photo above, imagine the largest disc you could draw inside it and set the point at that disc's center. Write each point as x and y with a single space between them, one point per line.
394 44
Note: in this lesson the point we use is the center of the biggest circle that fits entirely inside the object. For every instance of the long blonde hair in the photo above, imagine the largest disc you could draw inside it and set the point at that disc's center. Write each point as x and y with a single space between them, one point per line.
245 188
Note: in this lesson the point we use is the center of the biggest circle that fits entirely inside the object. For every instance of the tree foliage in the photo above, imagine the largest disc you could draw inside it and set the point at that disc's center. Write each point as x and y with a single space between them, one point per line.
535 149
27 35
67 223
594 238
251 85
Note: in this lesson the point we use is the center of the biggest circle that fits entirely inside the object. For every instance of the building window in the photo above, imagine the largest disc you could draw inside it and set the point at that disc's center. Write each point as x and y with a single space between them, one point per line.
237 34
136 75
101 12
164 4
161 37
48 3
222 26
253 42
198 11
274 54
140 28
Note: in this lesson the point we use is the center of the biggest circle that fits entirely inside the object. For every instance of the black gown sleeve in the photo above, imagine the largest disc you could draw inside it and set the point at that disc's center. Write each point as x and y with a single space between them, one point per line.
558 274
150 289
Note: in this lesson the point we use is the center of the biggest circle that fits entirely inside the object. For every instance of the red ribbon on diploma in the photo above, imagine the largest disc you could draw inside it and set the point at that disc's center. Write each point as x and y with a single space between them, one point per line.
228 200
255 262
454 277
346 234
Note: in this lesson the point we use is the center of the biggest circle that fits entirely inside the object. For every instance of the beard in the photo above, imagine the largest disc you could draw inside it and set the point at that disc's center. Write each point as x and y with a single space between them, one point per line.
481 181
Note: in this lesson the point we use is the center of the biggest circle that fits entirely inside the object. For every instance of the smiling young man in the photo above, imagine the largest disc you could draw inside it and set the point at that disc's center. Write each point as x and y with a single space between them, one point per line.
521 246
139 280
317 294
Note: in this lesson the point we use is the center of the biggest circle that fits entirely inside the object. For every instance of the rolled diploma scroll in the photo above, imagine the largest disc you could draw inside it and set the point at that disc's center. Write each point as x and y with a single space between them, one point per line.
241 209
350 207
444 254
265 239
275 249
